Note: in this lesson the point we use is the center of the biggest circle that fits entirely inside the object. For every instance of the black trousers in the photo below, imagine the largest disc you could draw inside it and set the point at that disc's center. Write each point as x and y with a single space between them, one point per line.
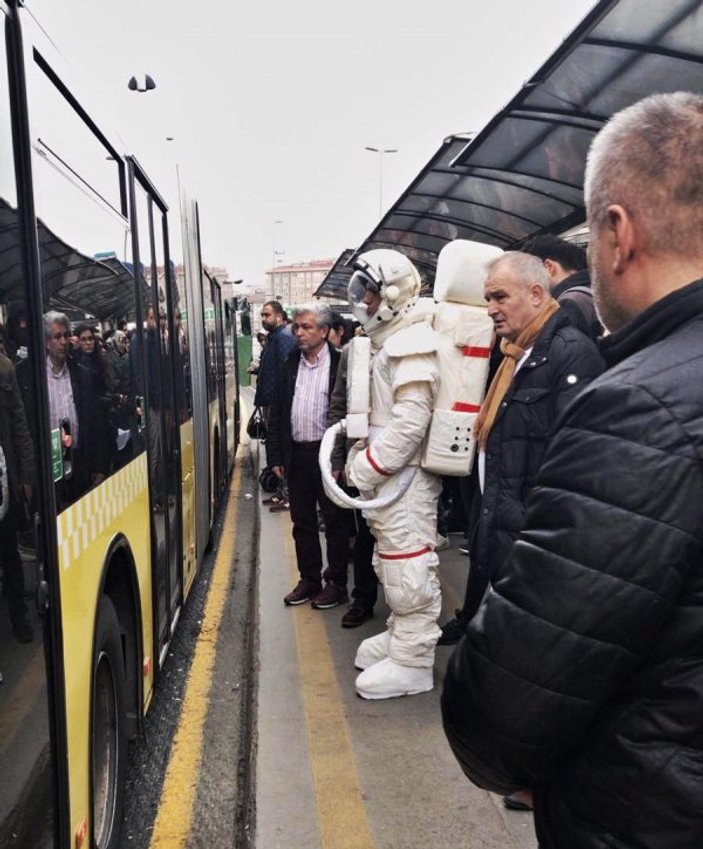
305 492
12 569
365 581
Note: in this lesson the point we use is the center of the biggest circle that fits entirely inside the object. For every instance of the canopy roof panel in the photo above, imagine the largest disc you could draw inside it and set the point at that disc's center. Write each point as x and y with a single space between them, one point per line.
522 175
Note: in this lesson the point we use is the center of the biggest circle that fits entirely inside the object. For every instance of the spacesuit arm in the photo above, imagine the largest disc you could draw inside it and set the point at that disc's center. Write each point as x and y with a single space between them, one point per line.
400 440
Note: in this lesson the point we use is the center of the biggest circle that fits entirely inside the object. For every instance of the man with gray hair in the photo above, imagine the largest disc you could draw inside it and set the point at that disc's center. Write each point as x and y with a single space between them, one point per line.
546 362
581 677
296 426
76 411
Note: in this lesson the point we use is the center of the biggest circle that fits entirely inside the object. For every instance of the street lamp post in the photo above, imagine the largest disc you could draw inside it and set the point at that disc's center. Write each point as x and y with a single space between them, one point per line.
380 151
274 253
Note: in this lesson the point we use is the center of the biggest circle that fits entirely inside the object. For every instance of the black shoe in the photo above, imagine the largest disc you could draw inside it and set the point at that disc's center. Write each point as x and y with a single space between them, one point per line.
22 628
453 630
356 615
331 596
303 592
513 802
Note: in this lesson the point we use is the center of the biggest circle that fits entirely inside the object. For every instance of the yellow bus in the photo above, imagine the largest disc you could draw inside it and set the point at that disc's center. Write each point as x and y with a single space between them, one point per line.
119 419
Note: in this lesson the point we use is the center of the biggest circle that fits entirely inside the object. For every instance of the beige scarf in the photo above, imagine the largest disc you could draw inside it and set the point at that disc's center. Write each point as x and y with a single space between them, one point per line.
512 354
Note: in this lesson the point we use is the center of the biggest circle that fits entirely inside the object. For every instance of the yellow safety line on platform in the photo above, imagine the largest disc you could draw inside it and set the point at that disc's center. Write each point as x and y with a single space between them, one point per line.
175 815
340 805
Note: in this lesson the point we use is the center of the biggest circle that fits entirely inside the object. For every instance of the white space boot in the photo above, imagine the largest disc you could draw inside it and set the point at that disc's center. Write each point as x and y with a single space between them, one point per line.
388 680
372 650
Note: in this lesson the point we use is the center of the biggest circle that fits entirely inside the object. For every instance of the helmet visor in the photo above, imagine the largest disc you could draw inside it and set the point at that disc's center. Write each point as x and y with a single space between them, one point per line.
364 296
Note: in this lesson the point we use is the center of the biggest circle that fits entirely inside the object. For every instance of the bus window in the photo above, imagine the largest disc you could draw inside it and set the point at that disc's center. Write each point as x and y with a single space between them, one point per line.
87 289
26 799
154 370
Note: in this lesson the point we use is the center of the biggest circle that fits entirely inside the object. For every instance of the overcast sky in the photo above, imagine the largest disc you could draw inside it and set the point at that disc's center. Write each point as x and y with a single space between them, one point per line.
270 103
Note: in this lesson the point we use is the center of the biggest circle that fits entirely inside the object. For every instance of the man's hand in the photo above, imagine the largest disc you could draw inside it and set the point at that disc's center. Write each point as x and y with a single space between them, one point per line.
66 439
279 471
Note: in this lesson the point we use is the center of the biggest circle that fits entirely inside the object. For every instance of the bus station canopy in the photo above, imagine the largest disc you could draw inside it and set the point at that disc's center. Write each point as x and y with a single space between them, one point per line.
101 286
522 175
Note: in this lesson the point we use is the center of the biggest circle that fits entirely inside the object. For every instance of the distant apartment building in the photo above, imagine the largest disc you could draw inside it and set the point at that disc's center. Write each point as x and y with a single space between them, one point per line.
294 284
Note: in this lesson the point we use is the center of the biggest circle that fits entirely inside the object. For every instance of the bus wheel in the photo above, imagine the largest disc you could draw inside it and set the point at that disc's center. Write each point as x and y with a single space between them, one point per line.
108 732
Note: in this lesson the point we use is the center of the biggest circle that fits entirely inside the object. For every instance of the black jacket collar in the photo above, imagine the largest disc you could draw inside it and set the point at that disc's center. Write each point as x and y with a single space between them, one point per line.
654 324
580 278
540 349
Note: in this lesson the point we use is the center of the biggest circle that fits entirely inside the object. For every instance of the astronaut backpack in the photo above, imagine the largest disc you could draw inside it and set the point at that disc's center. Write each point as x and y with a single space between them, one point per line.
465 333
455 325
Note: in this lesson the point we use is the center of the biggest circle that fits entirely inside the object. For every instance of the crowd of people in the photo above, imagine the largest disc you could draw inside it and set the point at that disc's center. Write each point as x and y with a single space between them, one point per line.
96 390
576 687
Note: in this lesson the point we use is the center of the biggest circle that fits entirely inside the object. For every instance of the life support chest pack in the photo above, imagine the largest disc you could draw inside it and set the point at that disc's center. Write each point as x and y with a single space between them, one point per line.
358 388
463 333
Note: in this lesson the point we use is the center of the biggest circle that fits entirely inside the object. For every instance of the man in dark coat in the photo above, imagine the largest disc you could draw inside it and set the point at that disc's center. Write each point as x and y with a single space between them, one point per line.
568 280
365 590
76 411
16 481
279 343
296 427
546 363
582 674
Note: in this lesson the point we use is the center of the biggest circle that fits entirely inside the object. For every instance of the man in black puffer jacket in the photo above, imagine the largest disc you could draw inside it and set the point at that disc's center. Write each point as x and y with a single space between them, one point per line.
582 674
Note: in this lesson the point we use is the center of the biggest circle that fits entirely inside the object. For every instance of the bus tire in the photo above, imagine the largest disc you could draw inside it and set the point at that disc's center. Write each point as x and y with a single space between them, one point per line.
108 738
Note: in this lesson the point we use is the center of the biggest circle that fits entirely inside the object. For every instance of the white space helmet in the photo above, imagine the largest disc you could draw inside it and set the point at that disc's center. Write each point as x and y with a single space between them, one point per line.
385 274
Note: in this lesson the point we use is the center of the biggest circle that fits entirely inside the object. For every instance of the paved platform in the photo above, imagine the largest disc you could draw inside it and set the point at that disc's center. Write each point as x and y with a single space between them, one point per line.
336 772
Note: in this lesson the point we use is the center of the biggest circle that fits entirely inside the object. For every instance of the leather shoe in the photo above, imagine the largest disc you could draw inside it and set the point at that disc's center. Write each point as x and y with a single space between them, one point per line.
356 615
281 507
303 592
453 630
331 596
518 801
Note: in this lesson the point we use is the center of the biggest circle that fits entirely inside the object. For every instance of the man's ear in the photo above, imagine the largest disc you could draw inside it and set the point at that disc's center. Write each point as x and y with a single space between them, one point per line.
551 267
622 233
538 294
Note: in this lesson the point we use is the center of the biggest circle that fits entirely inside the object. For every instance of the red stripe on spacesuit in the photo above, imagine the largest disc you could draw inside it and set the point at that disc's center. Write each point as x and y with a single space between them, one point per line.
375 465
459 407
471 351
404 556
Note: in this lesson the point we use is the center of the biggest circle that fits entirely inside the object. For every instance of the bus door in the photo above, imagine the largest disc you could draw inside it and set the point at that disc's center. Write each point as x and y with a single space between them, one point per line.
27 781
232 370
157 404
221 388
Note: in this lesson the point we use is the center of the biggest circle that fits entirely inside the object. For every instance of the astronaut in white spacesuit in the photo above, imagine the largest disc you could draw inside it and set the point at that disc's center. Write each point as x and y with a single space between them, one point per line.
384 294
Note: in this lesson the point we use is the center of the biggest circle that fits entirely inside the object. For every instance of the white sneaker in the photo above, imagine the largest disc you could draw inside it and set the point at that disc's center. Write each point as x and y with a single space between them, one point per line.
442 543
389 680
372 650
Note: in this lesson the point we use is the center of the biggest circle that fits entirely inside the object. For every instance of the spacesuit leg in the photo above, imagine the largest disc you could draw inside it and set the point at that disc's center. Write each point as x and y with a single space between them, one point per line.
407 567
374 649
